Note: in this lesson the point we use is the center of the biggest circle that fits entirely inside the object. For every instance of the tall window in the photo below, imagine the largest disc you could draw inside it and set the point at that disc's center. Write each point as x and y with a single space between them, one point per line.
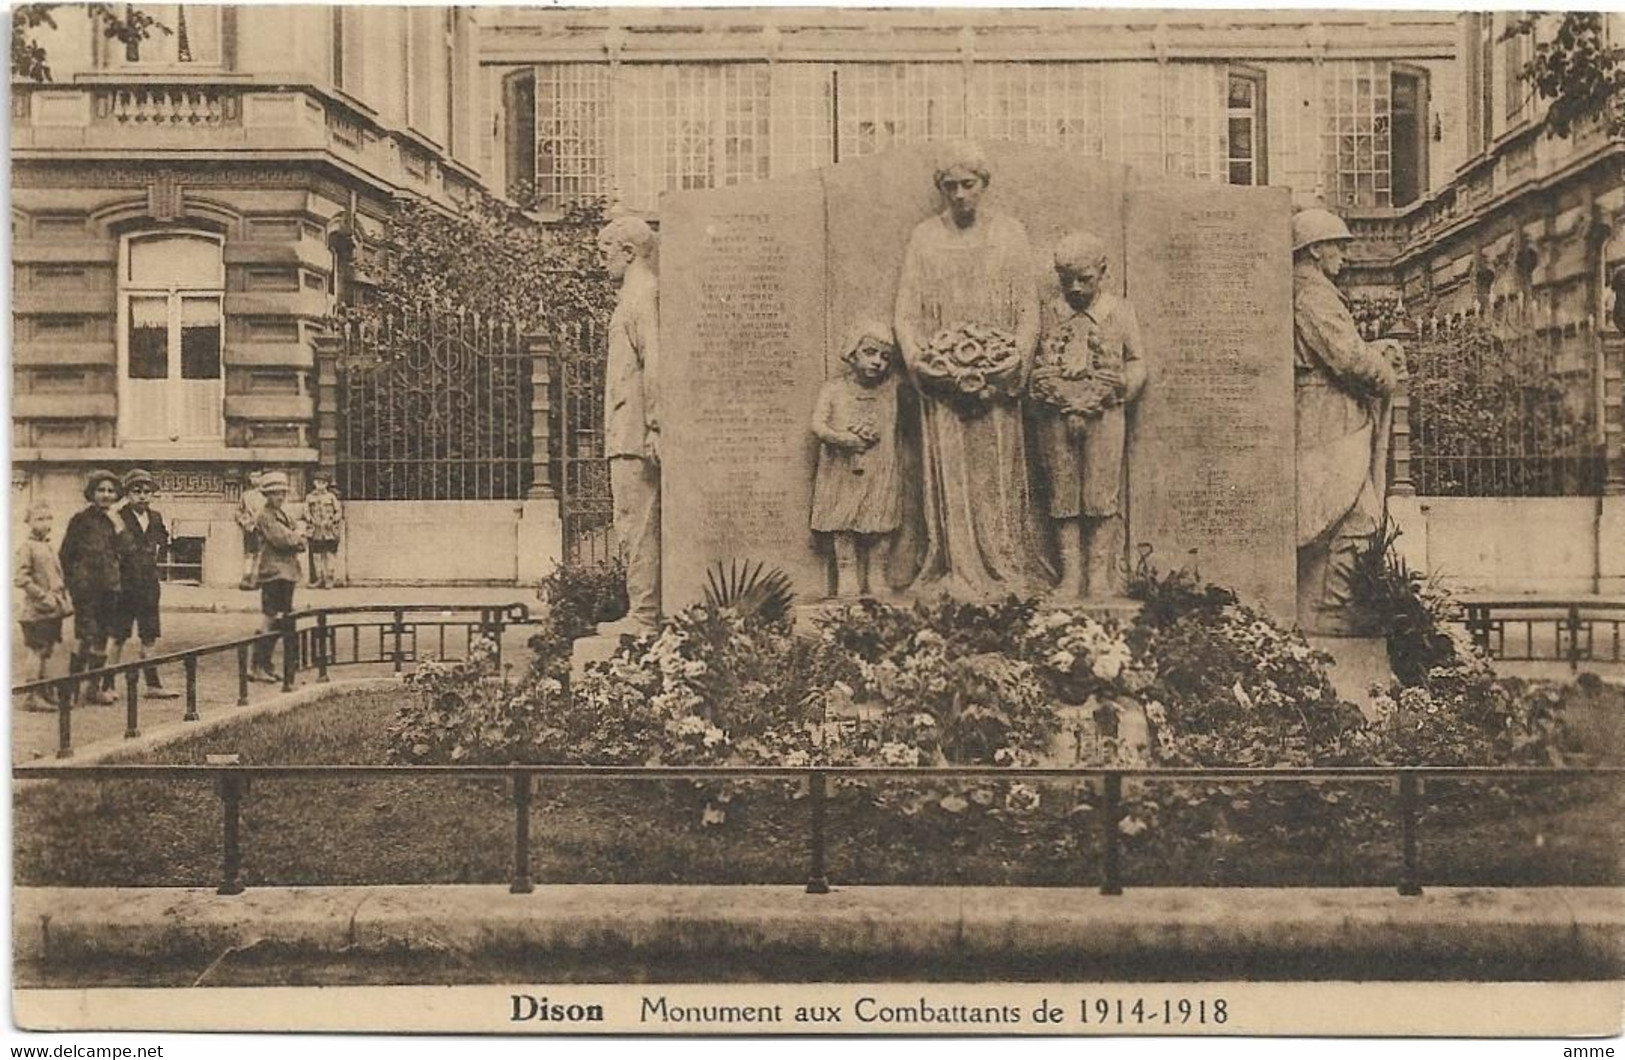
172 382
1409 135
1515 52
193 37
1244 112
1356 138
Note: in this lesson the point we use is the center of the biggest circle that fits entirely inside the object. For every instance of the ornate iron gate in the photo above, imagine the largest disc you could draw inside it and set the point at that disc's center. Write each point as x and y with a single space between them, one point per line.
585 505
434 407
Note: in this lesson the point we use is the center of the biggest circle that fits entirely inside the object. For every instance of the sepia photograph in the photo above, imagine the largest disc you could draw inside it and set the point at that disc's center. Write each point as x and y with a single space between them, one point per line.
768 521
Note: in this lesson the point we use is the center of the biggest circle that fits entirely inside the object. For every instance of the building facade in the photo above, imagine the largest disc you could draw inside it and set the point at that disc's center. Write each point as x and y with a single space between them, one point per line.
1525 240
184 214
1359 110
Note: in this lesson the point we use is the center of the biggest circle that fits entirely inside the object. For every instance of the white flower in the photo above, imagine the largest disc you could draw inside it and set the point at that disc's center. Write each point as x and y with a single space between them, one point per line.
714 736
1062 660
899 754
696 668
691 726
1021 798
924 720
796 759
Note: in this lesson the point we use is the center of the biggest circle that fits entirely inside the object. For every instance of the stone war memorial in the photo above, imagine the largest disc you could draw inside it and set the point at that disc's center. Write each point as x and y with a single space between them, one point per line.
763 286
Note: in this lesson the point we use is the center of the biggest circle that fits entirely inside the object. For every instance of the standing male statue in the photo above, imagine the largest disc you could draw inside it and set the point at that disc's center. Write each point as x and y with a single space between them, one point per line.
631 415
1343 413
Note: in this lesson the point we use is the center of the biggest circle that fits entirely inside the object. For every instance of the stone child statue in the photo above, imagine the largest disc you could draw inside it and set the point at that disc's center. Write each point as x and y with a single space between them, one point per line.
1089 369
631 413
857 491
1343 417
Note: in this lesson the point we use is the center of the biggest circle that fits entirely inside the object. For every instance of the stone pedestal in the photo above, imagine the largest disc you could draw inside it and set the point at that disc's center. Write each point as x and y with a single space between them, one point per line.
589 650
1360 662
541 539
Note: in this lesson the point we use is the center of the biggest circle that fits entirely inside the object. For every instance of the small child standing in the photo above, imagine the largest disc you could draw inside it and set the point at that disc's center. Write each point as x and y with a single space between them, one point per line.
857 490
38 573
280 545
249 507
323 515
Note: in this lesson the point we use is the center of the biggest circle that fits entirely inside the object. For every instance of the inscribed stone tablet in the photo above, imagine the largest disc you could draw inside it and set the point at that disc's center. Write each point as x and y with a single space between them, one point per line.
1212 464
742 357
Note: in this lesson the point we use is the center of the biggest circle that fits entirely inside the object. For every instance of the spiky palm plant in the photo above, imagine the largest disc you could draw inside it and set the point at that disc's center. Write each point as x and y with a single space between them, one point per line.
756 593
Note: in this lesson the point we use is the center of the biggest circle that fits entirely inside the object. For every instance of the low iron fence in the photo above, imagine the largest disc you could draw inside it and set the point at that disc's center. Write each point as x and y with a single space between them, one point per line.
1575 632
233 783
316 640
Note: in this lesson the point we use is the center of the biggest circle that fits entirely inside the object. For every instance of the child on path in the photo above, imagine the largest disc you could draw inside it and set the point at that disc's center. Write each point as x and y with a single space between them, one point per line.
323 515
248 518
281 542
90 566
857 490
142 536
38 573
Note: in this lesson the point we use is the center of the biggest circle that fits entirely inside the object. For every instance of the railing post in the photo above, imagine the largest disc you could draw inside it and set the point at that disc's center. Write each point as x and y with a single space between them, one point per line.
1401 485
64 717
190 664
1574 636
541 417
1409 881
398 631
132 703
1613 414
522 883
321 646
242 675
817 878
290 651
231 803
1478 626
1111 813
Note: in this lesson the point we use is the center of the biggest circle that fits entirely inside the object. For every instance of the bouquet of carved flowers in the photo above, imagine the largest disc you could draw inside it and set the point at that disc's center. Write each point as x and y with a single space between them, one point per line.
971 365
1065 374
1078 655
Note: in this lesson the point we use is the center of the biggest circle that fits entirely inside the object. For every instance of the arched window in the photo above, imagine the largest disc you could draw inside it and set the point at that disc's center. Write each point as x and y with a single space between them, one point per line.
171 380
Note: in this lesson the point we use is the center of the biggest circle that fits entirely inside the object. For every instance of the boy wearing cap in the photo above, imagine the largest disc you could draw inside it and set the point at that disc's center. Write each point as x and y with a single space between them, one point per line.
142 535
38 573
281 543
90 565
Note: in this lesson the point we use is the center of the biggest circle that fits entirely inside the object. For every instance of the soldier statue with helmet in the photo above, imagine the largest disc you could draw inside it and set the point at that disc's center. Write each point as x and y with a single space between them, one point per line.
1344 387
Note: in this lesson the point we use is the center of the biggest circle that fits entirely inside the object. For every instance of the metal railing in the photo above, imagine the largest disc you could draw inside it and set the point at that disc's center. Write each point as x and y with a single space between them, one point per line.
317 639
233 783
1568 631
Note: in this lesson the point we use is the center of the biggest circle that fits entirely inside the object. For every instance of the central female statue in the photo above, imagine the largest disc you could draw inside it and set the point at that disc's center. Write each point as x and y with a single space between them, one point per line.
967 321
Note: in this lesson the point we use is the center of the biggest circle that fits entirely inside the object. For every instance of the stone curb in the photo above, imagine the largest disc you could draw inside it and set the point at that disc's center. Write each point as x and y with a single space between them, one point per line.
1368 927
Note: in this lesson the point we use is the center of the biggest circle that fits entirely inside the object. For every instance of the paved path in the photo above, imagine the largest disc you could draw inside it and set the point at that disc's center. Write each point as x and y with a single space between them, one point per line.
197 616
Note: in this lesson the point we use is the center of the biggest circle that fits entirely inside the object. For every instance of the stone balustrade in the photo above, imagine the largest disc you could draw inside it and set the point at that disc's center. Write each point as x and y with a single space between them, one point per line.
164 106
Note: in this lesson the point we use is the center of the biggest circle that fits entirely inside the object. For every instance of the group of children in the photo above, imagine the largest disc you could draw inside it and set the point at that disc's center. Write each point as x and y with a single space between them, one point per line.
105 575
1091 345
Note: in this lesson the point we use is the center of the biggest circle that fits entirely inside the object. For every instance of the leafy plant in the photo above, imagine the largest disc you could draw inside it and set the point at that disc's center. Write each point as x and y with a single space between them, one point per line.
1415 617
757 594
575 598
487 257
1478 391
1575 68
29 60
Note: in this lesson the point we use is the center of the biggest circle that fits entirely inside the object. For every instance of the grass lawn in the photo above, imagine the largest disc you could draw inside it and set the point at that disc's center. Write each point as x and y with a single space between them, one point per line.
442 830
